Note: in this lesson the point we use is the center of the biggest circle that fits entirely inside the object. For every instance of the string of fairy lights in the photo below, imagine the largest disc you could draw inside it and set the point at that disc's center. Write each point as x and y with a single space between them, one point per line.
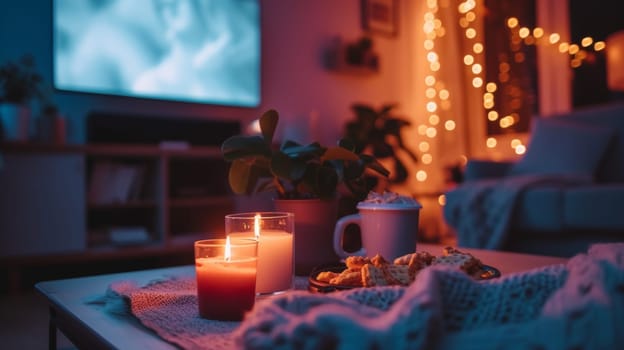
438 97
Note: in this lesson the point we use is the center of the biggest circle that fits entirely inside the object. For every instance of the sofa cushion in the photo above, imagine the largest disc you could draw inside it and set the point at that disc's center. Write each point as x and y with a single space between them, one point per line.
609 116
595 207
561 147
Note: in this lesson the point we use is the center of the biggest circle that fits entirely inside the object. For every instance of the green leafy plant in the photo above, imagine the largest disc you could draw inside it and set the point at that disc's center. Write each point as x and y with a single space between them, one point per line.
19 81
293 170
379 131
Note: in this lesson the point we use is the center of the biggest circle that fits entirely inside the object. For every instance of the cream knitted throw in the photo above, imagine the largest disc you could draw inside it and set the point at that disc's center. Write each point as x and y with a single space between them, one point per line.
483 215
576 306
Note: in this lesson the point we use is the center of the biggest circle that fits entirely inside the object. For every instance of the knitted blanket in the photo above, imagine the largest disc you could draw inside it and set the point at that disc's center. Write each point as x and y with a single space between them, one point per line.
483 215
576 306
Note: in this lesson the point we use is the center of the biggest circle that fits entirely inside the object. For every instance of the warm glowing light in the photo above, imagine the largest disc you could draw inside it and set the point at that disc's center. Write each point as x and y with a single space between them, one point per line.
432 106
428 27
575 63
490 142
434 119
563 47
471 33
442 200
504 67
424 146
257 225
492 116
434 66
554 38
227 254
421 175
515 143
444 94
476 68
426 158
477 48
512 22
490 87
521 149
428 44
422 129
430 92
538 32
431 132
430 80
573 49
599 45
477 82
587 41
488 96
432 56
506 122
463 22
471 16
524 32
449 125
468 59
488 104
529 40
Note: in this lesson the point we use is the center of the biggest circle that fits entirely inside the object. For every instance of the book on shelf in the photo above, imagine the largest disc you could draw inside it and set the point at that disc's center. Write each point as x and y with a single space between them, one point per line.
115 182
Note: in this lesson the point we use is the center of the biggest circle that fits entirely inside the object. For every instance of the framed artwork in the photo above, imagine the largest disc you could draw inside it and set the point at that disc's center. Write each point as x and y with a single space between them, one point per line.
380 16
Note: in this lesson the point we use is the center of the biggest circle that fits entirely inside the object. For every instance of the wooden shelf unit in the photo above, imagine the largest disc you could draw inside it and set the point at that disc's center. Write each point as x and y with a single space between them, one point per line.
184 196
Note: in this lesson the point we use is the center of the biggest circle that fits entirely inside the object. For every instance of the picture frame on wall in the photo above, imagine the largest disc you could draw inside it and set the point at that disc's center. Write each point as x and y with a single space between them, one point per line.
380 16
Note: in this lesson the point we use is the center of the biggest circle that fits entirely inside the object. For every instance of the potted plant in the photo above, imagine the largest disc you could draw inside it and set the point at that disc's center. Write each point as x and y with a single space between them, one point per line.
379 131
306 179
20 83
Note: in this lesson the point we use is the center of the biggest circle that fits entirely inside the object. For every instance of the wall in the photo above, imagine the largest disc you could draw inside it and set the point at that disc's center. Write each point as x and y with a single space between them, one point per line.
293 79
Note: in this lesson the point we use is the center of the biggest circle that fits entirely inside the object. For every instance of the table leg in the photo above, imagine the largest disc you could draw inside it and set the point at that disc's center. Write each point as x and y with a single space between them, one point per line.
52 330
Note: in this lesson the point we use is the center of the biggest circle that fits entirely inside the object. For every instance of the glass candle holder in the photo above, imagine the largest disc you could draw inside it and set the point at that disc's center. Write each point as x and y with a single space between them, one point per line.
274 232
226 277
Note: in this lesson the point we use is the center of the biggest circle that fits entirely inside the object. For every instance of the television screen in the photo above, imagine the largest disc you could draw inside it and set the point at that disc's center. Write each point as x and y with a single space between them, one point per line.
205 51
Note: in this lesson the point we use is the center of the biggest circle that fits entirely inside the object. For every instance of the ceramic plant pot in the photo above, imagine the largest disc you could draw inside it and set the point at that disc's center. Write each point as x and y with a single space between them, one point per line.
14 121
315 220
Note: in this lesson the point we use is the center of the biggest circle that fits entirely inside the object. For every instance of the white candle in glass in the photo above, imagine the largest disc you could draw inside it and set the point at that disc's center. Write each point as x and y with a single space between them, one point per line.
275 256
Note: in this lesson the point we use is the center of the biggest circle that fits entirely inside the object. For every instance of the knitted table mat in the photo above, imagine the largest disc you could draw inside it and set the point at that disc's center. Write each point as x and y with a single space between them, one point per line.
168 307
577 305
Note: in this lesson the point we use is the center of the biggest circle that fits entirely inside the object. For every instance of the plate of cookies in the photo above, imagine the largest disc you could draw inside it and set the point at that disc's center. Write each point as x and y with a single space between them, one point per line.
359 271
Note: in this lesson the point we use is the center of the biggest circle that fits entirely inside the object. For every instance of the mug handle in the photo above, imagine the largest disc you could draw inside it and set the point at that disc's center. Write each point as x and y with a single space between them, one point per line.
341 225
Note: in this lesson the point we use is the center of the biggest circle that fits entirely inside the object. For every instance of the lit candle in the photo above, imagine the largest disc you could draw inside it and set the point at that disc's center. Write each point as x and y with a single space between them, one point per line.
273 231
226 278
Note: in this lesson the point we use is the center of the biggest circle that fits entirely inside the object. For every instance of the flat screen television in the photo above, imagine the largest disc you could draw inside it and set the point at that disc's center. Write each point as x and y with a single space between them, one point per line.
204 51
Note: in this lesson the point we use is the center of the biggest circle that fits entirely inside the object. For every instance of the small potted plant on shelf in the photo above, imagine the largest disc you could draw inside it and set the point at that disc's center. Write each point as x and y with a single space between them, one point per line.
20 83
379 131
306 180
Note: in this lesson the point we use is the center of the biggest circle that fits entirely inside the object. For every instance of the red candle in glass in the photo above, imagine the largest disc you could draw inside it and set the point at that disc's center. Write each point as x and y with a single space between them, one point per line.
226 277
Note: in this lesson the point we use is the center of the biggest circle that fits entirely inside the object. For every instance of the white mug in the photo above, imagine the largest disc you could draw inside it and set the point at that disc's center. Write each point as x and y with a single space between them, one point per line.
388 229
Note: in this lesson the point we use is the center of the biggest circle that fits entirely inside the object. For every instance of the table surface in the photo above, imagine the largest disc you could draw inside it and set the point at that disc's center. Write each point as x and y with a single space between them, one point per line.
89 322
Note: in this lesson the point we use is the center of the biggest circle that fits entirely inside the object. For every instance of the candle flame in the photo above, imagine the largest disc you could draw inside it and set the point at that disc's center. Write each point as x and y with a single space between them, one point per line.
257 225
227 255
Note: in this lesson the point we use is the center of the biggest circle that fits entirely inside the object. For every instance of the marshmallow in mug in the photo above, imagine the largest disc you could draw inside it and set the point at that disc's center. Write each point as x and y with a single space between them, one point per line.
390 198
